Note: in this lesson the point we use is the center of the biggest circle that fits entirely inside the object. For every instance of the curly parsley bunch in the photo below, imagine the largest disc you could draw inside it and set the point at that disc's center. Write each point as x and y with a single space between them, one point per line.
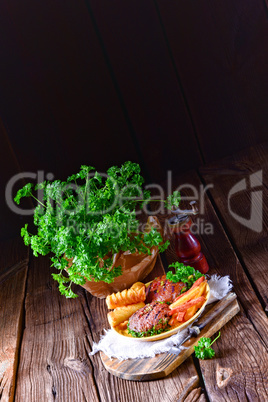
87 219
184 273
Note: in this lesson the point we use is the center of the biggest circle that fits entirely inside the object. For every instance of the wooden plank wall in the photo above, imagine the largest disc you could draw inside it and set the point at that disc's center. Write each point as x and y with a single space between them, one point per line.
219 51
9 221
171 85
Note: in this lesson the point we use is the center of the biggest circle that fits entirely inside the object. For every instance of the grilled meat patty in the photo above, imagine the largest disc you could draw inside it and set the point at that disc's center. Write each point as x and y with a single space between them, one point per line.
153 315
161 289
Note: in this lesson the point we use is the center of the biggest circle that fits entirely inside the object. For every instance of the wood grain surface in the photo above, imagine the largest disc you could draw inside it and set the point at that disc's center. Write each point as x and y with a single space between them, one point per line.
58 99
171 388
10 222
46 344
163 364
57 339
54 358
12 293
238 372
223 260
13 253
126 75
220 254
218 51
251 245
132 36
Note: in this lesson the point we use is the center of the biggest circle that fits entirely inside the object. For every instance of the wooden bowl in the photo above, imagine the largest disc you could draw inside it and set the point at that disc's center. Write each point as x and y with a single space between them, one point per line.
135 267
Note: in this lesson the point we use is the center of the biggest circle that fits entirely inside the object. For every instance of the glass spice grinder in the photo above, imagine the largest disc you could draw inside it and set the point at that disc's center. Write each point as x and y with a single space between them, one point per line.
187 246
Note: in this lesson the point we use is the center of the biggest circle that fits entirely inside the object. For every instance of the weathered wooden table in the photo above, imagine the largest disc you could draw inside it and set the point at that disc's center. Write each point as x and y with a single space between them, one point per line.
45 339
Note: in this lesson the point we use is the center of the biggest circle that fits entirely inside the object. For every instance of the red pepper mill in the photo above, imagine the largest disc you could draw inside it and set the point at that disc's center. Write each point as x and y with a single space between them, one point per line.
188 248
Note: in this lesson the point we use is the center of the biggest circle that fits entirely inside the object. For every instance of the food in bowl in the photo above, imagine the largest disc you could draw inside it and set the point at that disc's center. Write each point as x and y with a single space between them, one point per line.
153 317
163 290
157 309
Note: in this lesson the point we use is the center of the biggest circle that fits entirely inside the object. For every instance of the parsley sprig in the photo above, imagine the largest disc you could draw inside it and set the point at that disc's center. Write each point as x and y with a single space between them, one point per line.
183 273
173 200
88 218
204 350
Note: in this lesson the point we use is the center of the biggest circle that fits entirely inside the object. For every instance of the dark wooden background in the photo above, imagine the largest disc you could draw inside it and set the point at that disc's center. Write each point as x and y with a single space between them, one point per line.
169 84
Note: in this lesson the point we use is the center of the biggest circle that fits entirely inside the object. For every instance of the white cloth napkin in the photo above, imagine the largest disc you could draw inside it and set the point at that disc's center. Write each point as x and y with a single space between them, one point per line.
114 345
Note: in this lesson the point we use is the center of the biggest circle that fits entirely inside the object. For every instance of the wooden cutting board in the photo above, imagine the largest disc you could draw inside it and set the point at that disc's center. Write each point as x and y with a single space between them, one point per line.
163 364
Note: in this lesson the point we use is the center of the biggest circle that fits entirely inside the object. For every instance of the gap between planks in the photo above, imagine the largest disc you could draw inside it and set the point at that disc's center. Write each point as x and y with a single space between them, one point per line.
217 256
233 244
189 177
12 298
170 388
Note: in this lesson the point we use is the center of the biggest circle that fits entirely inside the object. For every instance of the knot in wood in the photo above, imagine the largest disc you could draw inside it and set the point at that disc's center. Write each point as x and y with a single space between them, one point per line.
78 365
223 376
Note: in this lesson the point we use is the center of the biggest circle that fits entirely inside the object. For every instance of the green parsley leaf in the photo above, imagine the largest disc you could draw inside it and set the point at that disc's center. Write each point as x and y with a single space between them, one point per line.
25 191
203 350
150 332
183 273
173 200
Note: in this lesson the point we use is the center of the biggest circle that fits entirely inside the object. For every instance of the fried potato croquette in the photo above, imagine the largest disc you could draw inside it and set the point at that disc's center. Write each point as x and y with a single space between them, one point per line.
123 325
121 314
128 296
